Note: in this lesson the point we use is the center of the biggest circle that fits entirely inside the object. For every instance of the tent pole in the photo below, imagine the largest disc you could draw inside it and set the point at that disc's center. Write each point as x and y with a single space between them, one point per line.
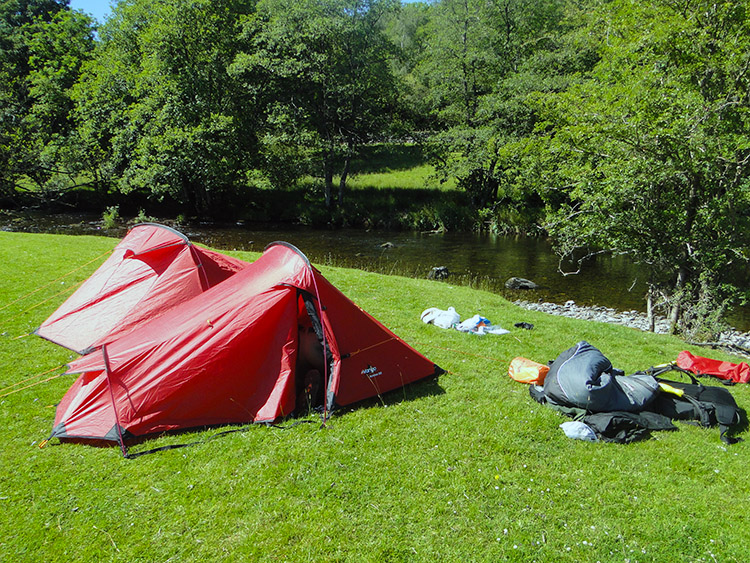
199 266
112 398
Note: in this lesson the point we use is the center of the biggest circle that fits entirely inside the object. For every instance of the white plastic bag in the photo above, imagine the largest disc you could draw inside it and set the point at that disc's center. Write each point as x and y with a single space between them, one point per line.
438 317
577 430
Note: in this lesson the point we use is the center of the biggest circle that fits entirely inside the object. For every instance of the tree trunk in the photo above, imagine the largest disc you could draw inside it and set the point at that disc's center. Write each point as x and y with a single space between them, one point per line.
691 211
650 309
674 318
342 182
189 196
328 173
676 310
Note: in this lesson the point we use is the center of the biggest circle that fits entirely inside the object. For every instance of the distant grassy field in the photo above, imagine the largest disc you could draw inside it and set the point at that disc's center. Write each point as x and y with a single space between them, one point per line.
386 166
393 187
419 177
392 166
463 468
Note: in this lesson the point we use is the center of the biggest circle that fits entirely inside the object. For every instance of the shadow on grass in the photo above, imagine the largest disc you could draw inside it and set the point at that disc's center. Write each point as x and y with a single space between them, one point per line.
427 387
381 158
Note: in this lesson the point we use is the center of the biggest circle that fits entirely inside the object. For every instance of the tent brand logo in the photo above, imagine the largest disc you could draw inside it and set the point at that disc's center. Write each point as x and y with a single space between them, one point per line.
371 371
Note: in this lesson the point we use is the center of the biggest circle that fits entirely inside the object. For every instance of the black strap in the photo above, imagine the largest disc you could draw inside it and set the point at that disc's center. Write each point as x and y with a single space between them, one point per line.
661 370
656 371
729 440
701 413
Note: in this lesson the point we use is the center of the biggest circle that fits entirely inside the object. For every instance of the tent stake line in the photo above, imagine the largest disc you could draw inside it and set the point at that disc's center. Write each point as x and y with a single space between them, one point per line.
32 384
54 281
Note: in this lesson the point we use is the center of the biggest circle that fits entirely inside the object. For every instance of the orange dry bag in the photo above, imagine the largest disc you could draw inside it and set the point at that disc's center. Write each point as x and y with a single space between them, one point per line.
527 371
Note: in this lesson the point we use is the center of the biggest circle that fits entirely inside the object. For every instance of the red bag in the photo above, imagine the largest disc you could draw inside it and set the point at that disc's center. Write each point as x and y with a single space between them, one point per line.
527 371
737 373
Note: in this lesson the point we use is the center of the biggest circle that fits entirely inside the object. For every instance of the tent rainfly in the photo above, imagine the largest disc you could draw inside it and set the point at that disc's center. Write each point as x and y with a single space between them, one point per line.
216 342
150 271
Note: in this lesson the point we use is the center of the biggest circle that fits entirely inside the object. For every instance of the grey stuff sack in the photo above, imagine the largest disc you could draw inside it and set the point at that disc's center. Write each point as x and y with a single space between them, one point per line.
583 377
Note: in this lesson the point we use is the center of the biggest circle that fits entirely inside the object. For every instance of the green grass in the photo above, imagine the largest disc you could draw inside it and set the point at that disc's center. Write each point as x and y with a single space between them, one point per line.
395 166
390 187
465 468
419 177
385 166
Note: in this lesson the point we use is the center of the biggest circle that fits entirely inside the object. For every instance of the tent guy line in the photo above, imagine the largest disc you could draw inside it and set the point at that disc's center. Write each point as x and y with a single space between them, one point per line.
38 289
40 303
61 366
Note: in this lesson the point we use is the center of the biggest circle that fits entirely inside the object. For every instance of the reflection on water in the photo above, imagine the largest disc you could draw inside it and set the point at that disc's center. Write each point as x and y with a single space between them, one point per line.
483 261
480 260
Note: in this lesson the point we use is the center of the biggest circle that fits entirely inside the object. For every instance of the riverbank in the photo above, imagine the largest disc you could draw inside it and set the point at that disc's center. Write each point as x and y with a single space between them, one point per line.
481 261
463 468
734 340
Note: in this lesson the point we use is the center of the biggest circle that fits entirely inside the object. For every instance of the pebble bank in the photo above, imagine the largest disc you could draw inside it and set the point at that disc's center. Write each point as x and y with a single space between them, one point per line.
733 339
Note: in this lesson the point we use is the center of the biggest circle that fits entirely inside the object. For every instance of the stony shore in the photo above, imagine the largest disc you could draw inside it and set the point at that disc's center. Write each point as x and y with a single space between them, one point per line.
738 342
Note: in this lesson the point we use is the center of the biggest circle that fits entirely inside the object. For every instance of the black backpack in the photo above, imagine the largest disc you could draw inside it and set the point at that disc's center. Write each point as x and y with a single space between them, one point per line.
707 405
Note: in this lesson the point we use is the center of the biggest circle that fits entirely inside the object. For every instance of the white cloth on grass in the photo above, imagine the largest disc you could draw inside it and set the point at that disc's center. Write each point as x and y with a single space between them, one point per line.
438 317
451 319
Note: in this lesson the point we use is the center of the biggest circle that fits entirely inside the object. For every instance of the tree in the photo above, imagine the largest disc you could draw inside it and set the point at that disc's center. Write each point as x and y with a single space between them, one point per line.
57 51
475 50
329 86
651 152
158 111
406 28
42 47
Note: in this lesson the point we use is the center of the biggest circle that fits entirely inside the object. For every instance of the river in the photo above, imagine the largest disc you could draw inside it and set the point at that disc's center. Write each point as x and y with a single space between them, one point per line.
483 261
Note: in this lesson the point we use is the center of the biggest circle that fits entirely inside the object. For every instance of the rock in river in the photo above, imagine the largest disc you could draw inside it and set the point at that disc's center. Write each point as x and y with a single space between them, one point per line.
520 283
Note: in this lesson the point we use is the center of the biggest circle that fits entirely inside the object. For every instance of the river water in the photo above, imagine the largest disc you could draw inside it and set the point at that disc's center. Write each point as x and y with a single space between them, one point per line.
482 261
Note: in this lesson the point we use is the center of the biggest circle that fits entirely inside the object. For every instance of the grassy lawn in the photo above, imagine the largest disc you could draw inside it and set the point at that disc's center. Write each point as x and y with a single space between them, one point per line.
464 468
393 166
392 187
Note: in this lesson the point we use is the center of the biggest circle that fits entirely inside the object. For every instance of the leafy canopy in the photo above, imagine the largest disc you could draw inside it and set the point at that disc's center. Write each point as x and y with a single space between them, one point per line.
651 151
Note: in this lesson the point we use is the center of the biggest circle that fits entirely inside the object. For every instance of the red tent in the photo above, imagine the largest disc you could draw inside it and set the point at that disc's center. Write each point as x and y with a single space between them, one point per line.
153 269
232 355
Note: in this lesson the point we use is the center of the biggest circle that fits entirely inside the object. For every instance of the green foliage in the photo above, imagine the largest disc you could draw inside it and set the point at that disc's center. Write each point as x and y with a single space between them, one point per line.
440 216
325 71
507 218
42 47
480 62
649 152
111 217
159 112
463 468
406 31
143 218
